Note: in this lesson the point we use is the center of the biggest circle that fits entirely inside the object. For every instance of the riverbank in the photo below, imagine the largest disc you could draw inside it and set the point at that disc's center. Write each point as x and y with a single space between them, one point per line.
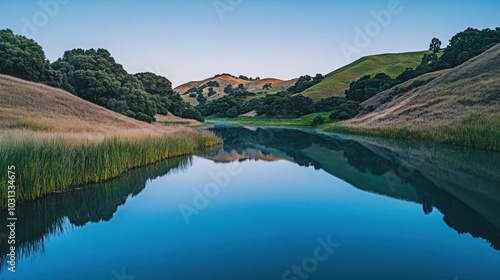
304 121
44 165
480 132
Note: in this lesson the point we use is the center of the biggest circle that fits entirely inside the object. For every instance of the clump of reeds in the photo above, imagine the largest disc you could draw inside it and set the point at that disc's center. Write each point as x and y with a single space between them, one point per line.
45 166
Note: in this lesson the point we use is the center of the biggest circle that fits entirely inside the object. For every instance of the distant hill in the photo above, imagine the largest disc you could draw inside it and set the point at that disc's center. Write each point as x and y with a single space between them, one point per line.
225 80
334 84
472 88
337 82
35 107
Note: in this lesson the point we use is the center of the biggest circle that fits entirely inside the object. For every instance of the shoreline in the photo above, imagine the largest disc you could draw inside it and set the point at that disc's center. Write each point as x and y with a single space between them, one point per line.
48 166
477 132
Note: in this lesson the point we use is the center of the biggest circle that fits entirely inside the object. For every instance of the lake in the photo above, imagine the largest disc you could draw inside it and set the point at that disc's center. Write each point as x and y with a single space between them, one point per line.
275 203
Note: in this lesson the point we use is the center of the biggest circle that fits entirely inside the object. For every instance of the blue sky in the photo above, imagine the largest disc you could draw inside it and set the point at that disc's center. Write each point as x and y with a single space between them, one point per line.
188 40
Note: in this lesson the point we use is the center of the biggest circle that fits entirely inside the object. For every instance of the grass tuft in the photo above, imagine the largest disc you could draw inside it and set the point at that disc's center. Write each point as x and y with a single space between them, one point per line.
45 166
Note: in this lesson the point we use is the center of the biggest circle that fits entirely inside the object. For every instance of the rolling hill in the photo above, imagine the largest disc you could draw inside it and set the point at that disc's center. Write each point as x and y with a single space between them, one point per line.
225 80
455 95
28 106
338 81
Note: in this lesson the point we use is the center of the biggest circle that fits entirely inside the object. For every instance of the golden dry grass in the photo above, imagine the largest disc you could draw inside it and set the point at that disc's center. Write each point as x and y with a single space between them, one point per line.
173 120
224 81
28 108
57 140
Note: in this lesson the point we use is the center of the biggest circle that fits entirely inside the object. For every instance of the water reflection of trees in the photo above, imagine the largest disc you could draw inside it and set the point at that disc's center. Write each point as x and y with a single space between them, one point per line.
434 176
58 213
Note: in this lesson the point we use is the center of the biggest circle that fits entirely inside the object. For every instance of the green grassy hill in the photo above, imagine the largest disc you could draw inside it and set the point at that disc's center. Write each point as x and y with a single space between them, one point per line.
337 82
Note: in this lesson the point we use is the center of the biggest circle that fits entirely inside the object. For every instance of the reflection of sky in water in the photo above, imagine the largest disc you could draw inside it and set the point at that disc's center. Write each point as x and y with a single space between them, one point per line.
271 214
267 219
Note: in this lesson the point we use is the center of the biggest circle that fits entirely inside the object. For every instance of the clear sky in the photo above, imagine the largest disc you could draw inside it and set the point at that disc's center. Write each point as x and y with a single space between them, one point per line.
188 40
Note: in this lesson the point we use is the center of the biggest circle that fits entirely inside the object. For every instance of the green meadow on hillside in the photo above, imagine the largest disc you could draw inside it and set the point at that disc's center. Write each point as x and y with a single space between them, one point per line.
337 82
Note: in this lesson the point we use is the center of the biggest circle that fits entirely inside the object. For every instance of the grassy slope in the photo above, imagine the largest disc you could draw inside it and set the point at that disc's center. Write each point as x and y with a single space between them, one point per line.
57 140
469 89
460 107
35 107
337 82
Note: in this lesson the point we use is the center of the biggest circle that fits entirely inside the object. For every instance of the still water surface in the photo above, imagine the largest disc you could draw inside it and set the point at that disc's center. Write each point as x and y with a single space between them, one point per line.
276 204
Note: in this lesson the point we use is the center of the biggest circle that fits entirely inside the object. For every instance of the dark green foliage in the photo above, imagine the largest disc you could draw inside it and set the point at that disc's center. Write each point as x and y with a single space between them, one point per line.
241 87
165 98
95 76
211 92
329 104
225 74
304 83
201 98
408 74
232 113
319 120
239 92
191 113
24 58
267 86
242 93
192 95
228 89
435 45
250 105
345 111
366 87
466 45
221 107
213 84
191 90
244 78
202 87
285 105
155 84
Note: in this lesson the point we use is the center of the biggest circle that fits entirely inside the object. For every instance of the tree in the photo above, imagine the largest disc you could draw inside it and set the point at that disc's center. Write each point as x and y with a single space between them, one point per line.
466 45
318 120
201 98
304 83
267 86
228 89
211 92
285 105
366 87
213 84
24 58
435 45
345 111
95 76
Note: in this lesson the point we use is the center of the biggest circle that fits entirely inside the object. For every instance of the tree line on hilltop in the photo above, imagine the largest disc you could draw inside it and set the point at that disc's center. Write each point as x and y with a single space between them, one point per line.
95 76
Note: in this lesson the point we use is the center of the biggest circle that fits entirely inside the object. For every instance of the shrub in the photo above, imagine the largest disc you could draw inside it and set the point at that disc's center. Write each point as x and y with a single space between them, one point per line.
319 120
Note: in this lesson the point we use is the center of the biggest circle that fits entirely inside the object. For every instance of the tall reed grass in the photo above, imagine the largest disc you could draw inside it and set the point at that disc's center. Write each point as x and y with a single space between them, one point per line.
480 132
50 165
